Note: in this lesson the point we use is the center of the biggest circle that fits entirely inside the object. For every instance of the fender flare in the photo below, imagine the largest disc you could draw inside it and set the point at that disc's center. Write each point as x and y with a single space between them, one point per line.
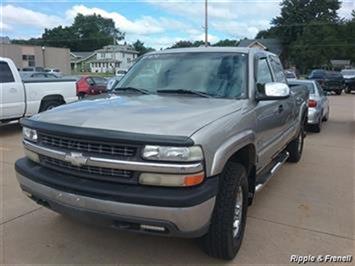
230 147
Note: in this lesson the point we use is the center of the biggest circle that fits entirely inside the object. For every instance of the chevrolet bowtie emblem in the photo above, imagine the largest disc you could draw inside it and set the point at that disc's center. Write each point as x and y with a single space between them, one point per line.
76 158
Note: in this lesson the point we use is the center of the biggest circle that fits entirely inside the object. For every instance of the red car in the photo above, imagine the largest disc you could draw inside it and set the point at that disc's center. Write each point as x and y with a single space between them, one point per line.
89 85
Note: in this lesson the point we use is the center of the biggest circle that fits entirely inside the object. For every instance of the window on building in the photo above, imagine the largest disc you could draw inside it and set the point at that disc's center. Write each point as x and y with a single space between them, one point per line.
30 59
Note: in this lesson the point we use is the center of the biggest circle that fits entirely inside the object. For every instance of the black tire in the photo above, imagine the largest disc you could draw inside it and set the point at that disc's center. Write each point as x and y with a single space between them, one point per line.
338 92
81 95
295 147
326 117
47 105
347 90
318 127
222 239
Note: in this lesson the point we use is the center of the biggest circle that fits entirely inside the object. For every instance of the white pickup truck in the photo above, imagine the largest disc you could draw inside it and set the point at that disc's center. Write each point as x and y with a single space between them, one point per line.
20 98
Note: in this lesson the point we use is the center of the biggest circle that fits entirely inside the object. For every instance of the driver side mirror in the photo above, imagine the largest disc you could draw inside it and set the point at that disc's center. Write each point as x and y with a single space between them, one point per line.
272 91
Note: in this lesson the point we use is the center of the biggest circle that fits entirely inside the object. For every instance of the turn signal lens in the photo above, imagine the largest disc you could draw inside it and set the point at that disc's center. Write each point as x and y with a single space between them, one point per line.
312 103
168 180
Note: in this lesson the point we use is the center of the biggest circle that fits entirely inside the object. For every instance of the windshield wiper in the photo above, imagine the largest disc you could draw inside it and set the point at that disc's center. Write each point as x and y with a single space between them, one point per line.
183 91
143 91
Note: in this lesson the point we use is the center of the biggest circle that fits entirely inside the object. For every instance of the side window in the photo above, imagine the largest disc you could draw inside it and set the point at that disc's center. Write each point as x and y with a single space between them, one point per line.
264 74
278 69
5 73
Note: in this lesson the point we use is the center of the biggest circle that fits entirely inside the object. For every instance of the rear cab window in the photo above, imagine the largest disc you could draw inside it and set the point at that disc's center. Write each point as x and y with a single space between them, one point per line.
6 75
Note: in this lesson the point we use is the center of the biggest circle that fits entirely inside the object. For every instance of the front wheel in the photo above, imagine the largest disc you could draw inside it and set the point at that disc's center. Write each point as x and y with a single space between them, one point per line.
338 92
226 230
347 90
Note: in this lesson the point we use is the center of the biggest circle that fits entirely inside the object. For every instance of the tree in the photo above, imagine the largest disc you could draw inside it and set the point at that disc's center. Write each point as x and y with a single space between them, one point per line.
226 43
139 47
87 33
310 32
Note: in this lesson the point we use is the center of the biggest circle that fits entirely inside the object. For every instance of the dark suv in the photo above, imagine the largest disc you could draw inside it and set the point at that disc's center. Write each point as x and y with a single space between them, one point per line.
329 80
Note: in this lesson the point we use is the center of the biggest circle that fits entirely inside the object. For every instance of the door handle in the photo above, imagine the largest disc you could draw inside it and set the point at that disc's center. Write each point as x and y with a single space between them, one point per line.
281 108
13 90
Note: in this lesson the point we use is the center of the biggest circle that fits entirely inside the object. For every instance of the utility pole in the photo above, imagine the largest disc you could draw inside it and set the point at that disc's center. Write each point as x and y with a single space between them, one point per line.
206 24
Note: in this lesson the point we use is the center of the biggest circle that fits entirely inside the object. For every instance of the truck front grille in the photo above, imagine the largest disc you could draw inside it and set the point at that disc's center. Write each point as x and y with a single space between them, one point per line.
92 172
88 147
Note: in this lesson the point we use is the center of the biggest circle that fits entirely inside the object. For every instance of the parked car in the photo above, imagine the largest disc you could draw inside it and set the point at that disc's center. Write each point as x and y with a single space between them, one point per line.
21 98
290 74
33 69
54 71
331 81
90 85
318 103
179 154
37 75
349 79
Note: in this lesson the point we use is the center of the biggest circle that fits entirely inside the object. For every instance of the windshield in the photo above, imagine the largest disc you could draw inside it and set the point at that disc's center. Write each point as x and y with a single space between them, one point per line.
216 74
348 72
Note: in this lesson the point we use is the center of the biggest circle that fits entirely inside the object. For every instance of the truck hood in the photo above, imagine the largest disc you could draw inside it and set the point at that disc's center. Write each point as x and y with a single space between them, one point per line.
149 114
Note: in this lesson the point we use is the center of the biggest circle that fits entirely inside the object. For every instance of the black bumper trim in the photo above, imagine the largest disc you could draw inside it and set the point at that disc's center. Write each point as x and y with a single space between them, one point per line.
106 135
135 194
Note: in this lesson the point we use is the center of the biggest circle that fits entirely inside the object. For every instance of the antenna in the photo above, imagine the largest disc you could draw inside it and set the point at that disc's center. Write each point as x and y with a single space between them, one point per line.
206 23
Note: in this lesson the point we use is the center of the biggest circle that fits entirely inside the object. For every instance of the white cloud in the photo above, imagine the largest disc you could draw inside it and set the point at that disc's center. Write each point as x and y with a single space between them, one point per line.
234 18
346 8
13 16
143 26
4 26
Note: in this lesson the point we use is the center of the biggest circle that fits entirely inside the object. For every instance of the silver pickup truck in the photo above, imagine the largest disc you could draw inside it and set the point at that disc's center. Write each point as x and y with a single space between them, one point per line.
178 148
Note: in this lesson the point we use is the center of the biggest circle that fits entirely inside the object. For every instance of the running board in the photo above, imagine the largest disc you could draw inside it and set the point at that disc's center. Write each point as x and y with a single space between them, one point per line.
278 162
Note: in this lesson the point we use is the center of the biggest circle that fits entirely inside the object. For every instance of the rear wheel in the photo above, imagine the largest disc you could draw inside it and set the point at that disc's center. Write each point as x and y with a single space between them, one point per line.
50 104
318 127
338 92
81 95
226 230
347 90
295 147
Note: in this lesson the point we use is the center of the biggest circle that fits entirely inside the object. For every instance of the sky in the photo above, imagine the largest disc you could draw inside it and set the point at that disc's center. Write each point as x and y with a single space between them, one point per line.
157 23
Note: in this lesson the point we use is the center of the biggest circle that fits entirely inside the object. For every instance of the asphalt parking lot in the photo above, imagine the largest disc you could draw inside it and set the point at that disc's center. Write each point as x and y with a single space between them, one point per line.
307 208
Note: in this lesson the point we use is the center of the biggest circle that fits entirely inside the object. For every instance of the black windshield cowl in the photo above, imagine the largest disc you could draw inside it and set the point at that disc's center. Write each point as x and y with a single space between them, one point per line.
183 91
142 91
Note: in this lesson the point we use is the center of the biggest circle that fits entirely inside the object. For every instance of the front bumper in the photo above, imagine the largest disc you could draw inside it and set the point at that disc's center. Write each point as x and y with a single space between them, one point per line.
183 212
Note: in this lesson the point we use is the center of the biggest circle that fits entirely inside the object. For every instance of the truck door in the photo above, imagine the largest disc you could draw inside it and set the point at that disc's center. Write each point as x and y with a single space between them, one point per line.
286 106
267 113
12 94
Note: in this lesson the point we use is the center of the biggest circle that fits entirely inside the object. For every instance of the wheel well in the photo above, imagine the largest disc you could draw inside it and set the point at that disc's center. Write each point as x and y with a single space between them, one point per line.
54 97
247 157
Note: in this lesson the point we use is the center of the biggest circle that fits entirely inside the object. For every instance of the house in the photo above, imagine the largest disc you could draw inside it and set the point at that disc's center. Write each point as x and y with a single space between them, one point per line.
5 40
112 58
80 61
338 64
272 45
36 56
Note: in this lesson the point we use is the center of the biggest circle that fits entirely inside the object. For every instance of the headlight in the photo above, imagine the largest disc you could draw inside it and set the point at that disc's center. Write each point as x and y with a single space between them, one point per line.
29 134
177 154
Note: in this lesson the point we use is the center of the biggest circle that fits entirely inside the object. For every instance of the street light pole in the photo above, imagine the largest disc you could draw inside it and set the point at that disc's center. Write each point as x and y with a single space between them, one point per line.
206 23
